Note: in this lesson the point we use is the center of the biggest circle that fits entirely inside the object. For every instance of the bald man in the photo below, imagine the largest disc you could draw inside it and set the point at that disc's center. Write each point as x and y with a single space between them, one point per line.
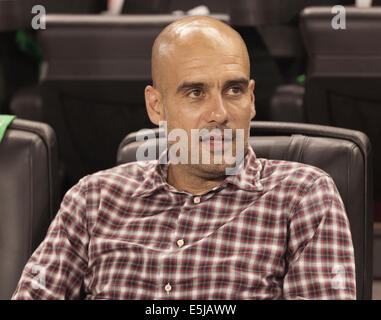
189 230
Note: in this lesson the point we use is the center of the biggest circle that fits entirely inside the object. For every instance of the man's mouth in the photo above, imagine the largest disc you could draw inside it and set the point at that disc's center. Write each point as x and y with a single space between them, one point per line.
216 143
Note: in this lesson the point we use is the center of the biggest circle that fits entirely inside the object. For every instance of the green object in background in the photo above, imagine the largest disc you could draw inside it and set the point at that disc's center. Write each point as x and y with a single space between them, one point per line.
29 46
301 79
5 121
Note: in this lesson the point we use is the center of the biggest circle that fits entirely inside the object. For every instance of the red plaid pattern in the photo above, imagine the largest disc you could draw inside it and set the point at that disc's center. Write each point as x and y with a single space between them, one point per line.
275 230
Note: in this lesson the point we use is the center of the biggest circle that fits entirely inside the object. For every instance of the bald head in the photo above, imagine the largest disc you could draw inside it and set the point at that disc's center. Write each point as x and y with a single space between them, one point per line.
201 74
194 32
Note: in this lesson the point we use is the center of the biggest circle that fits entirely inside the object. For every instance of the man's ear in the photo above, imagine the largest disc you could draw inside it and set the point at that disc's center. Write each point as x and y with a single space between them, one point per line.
252 99
154 104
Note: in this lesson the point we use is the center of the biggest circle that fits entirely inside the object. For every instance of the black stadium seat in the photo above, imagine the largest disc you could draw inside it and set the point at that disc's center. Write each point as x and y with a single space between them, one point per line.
277 24
28 195
343 77
344 74
91 91
347 158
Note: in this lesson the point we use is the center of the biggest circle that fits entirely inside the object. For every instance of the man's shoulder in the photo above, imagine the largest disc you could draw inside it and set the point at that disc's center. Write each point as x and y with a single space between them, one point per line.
127 176
291 172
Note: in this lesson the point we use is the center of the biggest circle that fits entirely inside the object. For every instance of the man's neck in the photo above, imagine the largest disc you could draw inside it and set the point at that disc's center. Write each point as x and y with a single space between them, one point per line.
183 178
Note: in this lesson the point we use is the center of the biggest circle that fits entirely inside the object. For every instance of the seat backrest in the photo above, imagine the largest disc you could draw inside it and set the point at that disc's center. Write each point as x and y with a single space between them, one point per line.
344 73
97 47
342 153
91 91
28 197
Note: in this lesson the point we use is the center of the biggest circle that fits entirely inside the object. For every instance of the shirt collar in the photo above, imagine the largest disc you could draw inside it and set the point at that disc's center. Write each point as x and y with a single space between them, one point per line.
247 176
248 173
155 178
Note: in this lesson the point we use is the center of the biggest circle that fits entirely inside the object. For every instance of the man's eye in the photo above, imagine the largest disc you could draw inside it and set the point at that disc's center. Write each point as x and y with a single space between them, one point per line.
234 91
195 93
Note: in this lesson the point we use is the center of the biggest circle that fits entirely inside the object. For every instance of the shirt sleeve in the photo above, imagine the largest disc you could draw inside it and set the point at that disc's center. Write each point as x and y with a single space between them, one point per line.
320 255
57 267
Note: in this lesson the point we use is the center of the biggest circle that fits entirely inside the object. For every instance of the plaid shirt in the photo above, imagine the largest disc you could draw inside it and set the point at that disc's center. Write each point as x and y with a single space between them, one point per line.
276 230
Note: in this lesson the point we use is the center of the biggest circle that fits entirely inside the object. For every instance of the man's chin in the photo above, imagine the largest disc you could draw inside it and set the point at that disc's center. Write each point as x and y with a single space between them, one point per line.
220 160
211 170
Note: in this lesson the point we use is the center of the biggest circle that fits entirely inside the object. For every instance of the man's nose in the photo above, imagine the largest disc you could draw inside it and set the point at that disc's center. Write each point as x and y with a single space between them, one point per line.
217 111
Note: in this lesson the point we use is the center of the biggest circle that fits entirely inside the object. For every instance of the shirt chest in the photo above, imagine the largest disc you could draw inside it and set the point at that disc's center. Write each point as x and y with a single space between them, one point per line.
206 248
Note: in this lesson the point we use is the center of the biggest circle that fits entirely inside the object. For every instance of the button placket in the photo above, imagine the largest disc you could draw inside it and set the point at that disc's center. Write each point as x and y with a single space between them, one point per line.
168 288
180 243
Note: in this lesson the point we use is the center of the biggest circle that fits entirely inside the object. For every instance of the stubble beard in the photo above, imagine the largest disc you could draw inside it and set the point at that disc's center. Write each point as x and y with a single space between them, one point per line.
211 171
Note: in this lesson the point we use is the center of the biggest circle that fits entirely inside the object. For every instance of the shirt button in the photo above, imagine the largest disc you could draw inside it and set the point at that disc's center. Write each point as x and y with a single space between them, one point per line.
196 199
180 243
168 288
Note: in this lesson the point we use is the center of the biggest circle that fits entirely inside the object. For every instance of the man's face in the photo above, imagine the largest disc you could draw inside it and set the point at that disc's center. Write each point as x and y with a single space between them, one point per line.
208 87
